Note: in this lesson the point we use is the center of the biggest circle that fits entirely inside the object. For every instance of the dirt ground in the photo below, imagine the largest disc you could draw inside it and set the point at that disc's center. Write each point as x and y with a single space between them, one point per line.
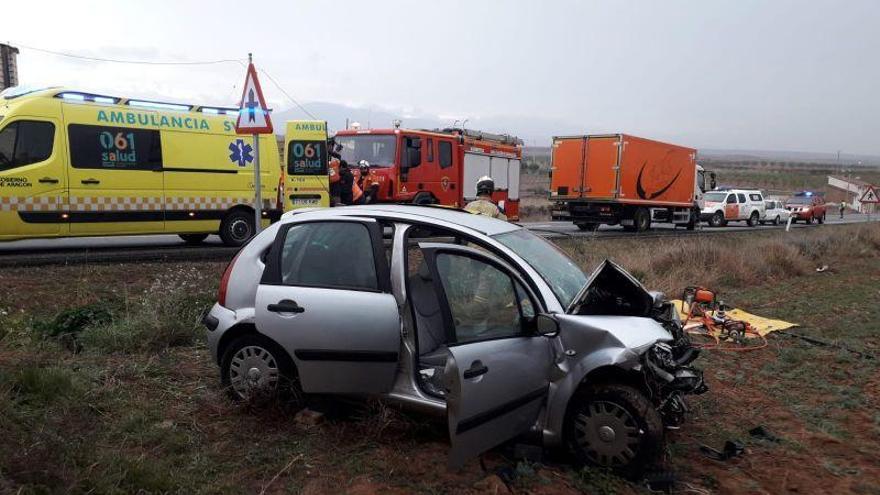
117 419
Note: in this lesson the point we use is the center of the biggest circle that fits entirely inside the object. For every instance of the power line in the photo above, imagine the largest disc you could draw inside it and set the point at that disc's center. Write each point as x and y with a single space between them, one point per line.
148 62
287 95
121 61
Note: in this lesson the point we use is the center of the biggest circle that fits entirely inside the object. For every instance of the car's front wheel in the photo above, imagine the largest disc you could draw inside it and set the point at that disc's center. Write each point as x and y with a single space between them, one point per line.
717 219
254 368
753 219
614 426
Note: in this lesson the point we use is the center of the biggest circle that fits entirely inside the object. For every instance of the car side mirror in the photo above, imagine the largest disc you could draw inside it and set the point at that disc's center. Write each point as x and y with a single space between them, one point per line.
547 325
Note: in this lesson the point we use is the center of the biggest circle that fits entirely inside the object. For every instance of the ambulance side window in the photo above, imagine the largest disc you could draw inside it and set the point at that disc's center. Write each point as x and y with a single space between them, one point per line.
25 142
114 148
444 148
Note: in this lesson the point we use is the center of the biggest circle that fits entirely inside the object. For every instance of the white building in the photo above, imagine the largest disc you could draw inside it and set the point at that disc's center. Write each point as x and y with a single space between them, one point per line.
849 190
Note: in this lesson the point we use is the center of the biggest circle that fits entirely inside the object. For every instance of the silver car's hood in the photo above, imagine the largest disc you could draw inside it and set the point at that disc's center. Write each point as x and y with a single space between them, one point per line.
612 291
589 333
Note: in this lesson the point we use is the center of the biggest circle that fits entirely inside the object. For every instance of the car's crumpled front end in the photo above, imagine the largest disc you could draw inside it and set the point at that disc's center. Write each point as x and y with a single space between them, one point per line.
643 331
667 367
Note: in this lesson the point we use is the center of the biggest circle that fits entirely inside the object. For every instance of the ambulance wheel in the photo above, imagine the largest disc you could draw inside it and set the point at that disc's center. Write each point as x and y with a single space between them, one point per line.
193 238
237 228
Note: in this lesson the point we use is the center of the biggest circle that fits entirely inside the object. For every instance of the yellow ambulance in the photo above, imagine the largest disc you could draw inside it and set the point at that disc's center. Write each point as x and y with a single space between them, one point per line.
81 164
307 183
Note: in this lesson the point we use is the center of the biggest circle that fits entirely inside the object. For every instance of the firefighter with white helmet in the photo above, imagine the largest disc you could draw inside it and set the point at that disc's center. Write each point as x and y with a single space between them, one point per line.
484 205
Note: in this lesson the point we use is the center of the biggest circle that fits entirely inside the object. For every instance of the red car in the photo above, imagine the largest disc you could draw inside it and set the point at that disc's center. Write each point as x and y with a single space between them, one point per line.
806 206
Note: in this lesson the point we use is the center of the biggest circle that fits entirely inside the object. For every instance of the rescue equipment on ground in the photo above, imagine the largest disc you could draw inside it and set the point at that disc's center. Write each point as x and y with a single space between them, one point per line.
706 316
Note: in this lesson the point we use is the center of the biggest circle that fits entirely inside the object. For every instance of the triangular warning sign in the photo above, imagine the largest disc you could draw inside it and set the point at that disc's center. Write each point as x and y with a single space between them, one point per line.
253 113
870 196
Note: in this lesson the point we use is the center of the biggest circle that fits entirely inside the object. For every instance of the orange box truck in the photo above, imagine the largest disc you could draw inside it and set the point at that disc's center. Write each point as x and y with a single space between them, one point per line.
621 179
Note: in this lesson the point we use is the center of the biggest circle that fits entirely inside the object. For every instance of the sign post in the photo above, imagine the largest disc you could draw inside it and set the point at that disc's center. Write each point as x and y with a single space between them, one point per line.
870 198
253 118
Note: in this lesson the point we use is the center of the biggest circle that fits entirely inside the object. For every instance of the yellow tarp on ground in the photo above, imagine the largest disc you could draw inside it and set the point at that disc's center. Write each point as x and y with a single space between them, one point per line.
760 324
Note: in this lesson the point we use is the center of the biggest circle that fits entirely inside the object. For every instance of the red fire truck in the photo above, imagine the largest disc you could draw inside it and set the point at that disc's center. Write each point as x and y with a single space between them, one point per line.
437 167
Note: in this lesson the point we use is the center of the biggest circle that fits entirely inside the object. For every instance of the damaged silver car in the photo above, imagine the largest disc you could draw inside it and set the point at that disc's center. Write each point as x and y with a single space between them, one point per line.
459 315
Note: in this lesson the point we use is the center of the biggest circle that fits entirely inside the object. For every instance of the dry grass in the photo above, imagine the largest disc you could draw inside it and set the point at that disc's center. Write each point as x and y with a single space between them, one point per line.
730 261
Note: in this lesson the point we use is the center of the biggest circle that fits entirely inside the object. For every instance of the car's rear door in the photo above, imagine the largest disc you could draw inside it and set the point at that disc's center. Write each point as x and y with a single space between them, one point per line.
325 296
497 370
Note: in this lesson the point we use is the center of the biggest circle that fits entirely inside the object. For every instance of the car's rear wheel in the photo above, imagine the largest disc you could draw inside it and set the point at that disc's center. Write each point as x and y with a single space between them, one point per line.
237 228
717 219
753 219
776 220
193 238
614 426
253 368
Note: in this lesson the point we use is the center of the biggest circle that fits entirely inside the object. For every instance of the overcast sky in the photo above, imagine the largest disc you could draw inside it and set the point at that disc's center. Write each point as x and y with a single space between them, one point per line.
735 74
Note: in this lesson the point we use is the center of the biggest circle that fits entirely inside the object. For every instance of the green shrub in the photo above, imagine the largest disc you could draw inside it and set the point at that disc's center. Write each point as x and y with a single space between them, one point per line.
74 320
39 385
150 325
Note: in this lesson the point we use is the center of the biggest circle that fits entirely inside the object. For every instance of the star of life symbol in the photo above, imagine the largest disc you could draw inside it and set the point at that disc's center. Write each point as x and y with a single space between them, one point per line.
240 152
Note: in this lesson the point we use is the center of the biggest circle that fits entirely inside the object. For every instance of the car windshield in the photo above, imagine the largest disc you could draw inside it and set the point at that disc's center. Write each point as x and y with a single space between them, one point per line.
563 276
715 197
379 150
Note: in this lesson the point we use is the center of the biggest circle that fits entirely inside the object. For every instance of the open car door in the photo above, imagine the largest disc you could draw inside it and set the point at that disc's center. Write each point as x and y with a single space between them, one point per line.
497 369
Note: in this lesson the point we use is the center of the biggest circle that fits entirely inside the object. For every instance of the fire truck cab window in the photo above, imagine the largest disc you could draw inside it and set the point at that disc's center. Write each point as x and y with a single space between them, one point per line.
445 151
430 150
25 142
379 150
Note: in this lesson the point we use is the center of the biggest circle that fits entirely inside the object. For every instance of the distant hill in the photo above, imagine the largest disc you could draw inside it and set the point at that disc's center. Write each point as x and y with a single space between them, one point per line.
535 131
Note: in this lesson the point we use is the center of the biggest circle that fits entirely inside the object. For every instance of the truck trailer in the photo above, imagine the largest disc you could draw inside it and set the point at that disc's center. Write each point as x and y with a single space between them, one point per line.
627 180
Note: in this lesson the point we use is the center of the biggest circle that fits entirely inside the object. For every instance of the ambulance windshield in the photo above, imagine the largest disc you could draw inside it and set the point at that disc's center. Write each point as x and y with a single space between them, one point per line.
379 150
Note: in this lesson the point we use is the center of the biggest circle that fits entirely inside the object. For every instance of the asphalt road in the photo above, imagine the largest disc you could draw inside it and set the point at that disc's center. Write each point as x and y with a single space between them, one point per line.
568 228
171 247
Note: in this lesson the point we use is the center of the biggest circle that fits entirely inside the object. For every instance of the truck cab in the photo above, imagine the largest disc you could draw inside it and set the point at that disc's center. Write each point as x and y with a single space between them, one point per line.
435 167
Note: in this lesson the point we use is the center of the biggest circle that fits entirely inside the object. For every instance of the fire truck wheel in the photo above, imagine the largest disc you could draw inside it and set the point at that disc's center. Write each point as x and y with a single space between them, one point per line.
193 239
237 228
588 227
424 198
642 219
